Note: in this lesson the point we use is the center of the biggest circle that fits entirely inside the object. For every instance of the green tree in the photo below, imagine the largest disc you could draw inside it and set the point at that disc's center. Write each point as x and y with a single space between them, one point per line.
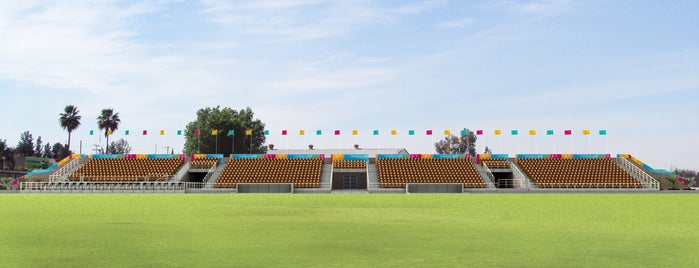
6 155
109 122
461 144
120 147
223 120
69 120
38 147
47 151
26 144
59 151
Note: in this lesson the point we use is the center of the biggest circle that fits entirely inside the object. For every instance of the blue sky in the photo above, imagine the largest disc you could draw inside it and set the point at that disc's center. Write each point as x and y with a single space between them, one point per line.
630 67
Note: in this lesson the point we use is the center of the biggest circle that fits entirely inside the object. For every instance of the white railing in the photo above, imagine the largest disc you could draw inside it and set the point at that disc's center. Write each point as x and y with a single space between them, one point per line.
209 174
635 170
183 171
61 174
519 176
103 187
489 172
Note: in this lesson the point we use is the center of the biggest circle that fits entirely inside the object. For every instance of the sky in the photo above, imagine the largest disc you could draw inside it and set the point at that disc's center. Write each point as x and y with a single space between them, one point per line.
628 67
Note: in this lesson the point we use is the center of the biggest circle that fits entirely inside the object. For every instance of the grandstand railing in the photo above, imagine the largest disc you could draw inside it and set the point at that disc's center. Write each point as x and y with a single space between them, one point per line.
109 187
521 177
182 172
638 173
62 172
489 172
209 174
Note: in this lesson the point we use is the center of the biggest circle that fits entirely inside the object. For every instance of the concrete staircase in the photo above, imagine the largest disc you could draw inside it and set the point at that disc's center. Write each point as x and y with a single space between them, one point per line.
326 176
637 173
62 173
486 177
209 183
519 176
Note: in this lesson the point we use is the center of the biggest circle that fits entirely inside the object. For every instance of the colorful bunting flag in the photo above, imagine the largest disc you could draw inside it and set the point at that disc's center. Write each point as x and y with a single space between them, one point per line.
248 132
428 132
586 132
603 132
549 132
302 132
266 132
376 132
284 132
394 132
92 132
514 132
411 132
145 132
179 132
126 132
231 132
214 132
497 132
464 132
319 132
196 132
355 132
567 132
532 132
447 132
162 132
337 132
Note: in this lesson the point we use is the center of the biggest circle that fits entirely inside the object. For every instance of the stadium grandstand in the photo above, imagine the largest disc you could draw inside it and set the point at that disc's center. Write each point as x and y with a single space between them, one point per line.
352 170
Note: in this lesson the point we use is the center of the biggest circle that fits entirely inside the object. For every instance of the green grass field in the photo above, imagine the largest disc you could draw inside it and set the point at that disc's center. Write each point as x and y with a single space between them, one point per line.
554 230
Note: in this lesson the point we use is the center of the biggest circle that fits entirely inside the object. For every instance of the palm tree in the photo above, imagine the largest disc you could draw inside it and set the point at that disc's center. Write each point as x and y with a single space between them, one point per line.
69 120
109 121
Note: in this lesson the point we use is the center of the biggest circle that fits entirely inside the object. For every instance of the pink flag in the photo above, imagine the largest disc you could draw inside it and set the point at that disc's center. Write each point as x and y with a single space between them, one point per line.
337 132
145 132
196 132
284 132
428 132
479 132
568 132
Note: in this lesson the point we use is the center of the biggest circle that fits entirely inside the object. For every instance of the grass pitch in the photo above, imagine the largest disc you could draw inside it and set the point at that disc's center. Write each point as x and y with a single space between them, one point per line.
554 230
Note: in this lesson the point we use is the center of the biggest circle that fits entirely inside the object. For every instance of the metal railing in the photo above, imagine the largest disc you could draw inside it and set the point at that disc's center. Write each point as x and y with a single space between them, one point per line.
635 170
183 171
61 174
520 176
489 172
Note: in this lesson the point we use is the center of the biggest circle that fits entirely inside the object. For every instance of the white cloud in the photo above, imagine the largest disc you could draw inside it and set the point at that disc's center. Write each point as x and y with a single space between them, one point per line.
532 7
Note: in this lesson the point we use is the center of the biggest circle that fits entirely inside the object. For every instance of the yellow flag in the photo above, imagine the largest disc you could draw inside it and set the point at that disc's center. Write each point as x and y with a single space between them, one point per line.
532 132
302 132
214 132
497 132
355 132
162 132
586 132
394 132
447 132
248 132
109 132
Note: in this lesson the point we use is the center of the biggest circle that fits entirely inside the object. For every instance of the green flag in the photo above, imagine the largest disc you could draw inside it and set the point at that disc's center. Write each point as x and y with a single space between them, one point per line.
549 132
515 132
411 132
231 132
376 132
127 132
603 132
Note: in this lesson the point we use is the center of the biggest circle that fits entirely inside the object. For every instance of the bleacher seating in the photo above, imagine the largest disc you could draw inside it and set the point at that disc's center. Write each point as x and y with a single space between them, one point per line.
349 164
204 162
395 173
577 173
303 173
496 163
126 170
